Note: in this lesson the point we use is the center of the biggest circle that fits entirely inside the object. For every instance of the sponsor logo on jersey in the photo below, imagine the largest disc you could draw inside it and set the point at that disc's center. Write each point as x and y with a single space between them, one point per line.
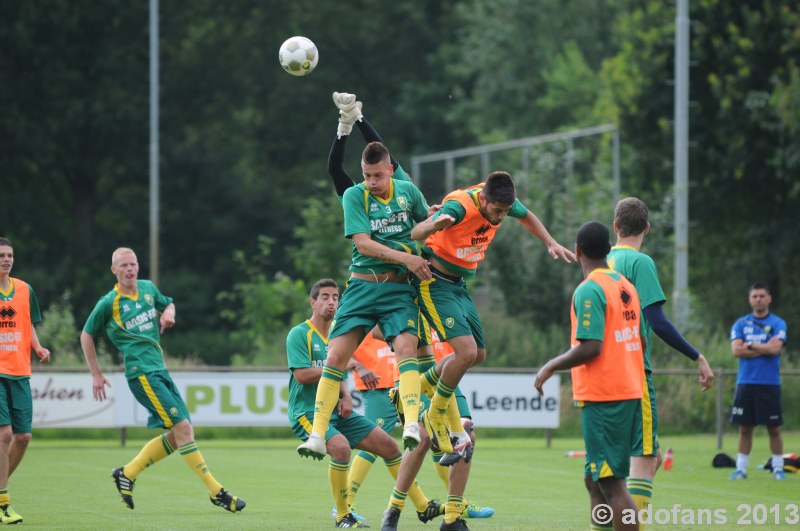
7 314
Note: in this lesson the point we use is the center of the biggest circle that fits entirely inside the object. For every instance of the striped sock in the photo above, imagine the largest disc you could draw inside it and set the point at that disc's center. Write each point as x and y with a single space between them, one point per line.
154 451
409 388
192 456
641 490
455 506
337 476
362 464
398 500
327 398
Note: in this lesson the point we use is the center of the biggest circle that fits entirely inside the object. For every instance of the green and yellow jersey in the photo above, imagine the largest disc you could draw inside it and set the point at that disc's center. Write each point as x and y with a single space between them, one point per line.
131 322
640 270
306 347
388 221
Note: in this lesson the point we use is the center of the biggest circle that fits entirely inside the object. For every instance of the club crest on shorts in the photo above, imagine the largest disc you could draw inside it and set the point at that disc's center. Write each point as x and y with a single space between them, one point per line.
449 322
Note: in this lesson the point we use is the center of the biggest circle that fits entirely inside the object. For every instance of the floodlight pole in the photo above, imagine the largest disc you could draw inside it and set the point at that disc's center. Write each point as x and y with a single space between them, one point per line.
680 295
154 181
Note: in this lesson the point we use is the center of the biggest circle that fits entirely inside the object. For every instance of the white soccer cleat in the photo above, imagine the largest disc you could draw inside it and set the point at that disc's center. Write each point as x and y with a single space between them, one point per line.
411 436
314 447
462 449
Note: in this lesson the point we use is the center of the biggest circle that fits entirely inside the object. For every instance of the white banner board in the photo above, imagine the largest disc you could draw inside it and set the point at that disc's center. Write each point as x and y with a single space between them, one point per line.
260 399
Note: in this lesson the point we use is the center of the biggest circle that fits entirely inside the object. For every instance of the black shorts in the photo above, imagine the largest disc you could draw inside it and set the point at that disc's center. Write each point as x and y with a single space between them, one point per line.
757 405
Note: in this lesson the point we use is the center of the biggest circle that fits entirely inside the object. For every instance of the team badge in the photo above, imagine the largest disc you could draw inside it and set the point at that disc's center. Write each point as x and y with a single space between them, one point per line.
173 411
148 299
379 422
449 322
402 203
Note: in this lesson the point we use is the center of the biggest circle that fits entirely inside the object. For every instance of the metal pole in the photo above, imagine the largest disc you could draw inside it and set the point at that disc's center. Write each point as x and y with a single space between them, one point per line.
615 167
154 181
680 295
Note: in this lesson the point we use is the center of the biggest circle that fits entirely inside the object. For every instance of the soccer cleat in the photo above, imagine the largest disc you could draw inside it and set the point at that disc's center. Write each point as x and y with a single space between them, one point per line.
9 516
350 520
458 525
433 510
314 447
738 474
411 436
357 516
394 397
124 486
462 449
779 475
391 517
476 511
228 501
440 436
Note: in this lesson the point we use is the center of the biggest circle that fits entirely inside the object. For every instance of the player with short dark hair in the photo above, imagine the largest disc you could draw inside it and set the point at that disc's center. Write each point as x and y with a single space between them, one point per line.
607 373
757 340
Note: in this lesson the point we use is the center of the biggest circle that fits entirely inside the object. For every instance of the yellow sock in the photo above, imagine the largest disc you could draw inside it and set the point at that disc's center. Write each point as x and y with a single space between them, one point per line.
327 398
192 456
441 400
415 493
398 499
453 416
443 472
455 506
362 464
641 491
5 497
337 477
409 388
428 381
154 451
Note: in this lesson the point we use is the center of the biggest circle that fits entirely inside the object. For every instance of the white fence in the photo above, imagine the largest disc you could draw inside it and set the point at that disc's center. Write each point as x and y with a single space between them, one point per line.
214 398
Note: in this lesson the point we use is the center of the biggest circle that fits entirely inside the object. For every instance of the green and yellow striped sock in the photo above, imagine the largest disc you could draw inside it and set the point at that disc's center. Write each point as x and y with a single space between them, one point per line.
327 398
409 388
154 451
453 509
192 456
641 491
337 476
362 464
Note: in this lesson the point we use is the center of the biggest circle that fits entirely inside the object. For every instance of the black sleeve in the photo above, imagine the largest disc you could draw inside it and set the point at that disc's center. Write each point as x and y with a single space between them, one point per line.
341 180
371 135
667 332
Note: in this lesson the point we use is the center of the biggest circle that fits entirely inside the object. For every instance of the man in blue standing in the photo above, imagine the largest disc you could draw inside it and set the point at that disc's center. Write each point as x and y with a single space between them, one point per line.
757 339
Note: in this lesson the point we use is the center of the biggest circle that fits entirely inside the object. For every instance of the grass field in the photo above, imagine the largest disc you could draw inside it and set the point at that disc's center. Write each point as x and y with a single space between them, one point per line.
66 484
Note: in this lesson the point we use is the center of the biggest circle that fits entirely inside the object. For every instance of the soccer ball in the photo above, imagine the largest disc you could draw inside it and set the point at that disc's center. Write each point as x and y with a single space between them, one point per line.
298 56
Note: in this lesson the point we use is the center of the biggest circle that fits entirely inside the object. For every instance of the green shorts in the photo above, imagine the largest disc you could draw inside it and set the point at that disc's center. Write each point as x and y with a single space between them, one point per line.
390 305
379 409
354 428
158 393
609 431
449 308
16 403
646 443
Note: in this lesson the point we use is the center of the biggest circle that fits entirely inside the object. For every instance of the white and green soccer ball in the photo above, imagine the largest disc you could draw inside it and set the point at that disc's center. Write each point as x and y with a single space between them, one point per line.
298 56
